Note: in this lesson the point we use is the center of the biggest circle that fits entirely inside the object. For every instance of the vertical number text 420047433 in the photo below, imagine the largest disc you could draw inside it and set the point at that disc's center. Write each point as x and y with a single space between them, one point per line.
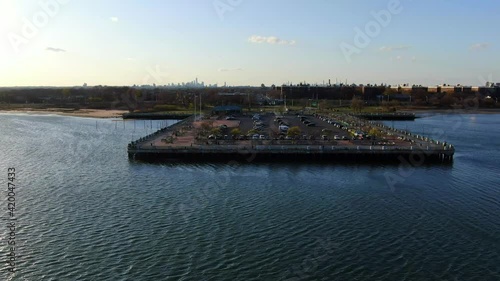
11 220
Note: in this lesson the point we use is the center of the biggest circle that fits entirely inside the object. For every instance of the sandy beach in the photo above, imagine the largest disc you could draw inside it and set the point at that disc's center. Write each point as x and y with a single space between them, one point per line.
92 113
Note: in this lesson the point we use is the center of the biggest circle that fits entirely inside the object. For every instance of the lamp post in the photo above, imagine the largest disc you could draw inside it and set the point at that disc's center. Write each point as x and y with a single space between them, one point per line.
194 106
249 103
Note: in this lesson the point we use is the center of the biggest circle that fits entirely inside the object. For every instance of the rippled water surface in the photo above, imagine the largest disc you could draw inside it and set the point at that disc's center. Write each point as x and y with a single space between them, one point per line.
85 212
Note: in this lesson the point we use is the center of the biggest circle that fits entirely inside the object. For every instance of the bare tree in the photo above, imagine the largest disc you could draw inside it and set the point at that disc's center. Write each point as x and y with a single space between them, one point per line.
357 104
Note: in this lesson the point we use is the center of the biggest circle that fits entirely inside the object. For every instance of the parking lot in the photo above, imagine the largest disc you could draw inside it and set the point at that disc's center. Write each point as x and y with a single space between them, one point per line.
265 129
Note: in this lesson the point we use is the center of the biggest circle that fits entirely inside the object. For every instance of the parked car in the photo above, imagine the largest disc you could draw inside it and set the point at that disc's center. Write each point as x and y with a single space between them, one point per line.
310 125
336 137
283 128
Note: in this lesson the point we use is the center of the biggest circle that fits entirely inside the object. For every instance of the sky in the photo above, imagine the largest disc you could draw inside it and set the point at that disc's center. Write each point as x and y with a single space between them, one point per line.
248 42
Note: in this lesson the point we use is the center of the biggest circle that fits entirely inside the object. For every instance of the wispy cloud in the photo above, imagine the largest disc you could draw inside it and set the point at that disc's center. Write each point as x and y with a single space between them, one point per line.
480 46
403 59
398 59
394 48
273 40
229 69
114 19
57 50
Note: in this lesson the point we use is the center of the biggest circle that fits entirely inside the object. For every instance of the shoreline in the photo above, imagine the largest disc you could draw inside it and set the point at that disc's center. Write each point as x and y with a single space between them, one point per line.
90 113
113 113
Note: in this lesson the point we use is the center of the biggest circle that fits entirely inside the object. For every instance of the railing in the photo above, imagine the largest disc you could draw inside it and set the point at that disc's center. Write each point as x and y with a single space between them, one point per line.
293 149
139 141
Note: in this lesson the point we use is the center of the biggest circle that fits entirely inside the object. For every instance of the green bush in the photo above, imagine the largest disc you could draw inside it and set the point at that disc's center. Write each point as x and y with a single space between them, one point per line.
294 131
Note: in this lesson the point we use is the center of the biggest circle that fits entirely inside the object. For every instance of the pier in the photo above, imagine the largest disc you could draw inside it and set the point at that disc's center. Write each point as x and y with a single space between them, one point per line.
184 141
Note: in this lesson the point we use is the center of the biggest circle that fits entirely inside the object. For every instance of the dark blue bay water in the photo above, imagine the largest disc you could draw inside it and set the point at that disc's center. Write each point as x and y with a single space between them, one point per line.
85 212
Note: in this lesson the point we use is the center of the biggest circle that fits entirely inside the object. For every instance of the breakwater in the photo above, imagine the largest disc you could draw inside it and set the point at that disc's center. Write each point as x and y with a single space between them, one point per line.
156 116
387 116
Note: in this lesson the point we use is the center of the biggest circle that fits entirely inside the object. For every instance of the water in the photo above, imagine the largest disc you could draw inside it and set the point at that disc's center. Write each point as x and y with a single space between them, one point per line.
85 212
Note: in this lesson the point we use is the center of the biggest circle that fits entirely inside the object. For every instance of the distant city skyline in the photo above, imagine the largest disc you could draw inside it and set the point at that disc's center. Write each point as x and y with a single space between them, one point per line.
194 84
123 43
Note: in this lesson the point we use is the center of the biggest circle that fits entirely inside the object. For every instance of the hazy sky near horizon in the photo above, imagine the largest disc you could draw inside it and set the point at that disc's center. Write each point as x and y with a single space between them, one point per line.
248 42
